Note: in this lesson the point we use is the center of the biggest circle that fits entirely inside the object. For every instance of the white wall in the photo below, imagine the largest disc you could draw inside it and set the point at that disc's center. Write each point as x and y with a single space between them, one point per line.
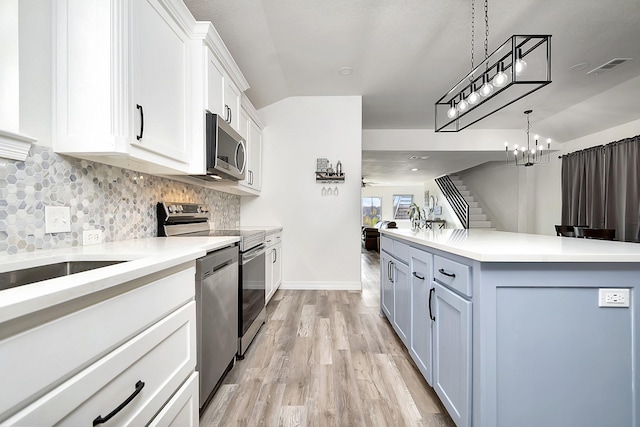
386 193
529 200
321 237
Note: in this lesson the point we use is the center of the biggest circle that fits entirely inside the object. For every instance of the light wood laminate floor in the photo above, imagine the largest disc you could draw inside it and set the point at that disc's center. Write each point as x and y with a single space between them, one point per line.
326 358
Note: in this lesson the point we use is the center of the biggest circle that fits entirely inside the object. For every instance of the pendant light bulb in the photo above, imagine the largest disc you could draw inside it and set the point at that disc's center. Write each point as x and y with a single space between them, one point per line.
452 112
486 89
463 105
521 64
500 79
473 97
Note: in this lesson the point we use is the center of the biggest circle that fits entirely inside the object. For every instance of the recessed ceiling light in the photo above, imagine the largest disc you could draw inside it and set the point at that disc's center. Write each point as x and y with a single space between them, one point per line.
345 71
579 67
414 170
418 157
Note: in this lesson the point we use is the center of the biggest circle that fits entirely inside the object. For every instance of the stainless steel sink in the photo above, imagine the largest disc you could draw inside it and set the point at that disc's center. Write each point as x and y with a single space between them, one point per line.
12 279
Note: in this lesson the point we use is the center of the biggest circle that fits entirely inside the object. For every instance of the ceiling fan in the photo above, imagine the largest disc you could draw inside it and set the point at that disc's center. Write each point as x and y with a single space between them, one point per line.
367 183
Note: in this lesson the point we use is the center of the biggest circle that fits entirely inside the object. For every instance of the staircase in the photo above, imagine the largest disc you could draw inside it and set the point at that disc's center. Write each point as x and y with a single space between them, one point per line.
477 219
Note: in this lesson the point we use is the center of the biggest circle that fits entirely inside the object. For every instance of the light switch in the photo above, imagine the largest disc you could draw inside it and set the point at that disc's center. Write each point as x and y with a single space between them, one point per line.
57 219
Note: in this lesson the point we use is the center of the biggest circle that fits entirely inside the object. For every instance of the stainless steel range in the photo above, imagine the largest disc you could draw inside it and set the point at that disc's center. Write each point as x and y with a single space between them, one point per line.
187 219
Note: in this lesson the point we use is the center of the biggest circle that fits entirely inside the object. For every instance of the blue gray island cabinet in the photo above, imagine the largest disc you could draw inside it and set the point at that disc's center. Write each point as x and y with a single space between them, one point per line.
515 329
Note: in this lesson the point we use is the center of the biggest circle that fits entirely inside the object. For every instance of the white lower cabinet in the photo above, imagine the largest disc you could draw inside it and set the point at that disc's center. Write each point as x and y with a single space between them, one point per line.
182 410
146 370
119 355
273 265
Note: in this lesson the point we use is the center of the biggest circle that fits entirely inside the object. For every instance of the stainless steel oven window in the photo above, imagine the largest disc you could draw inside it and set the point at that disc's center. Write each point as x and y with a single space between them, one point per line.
253 286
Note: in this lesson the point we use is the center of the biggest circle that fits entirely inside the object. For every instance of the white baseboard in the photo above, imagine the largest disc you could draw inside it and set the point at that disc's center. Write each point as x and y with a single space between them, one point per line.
319 286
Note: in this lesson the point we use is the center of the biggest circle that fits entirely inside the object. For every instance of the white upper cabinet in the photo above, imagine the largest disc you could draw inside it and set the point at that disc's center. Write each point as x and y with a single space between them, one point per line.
232 104
160 65
215 82
123 83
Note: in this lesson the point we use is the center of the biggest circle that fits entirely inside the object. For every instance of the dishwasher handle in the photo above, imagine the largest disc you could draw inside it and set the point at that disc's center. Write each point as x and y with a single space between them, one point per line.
253 253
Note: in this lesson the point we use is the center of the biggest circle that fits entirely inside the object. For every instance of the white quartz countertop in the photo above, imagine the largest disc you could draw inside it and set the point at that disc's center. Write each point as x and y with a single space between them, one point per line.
499 246
269 229
144 256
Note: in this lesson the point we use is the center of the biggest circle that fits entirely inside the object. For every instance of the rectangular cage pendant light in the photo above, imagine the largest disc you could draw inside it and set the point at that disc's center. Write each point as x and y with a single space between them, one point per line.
520 66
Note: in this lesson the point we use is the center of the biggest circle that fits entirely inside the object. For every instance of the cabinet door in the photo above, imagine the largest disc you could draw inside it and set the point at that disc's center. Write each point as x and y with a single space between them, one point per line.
160 63
214 101
386 282
268 274
421 312
232 102
277 267
255 159
182 409
402 301
452 354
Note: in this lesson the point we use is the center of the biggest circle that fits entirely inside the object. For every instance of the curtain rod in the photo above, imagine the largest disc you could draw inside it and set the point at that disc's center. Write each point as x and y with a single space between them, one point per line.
600 146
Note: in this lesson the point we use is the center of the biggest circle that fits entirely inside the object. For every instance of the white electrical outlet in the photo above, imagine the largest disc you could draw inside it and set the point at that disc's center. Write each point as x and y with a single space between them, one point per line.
91 237
613 297
57 219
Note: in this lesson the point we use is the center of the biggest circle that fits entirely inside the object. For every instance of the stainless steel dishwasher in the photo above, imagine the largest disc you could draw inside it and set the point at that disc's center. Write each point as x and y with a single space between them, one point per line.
217 318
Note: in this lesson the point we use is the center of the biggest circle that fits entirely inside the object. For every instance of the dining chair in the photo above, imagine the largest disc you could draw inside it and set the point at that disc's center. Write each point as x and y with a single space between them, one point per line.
578 231
599 233
565 230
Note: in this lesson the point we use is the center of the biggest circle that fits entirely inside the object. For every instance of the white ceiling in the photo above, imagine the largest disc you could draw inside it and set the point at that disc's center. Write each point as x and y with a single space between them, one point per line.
407 53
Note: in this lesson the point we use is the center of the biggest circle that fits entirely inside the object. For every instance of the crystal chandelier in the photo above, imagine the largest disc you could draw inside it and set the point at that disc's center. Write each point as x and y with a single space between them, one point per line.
502 78
529 155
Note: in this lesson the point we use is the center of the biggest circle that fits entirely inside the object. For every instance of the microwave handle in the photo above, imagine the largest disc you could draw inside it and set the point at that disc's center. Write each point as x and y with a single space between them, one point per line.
240 145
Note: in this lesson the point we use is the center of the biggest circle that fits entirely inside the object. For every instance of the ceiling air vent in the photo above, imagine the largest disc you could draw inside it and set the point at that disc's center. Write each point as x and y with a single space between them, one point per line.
609 65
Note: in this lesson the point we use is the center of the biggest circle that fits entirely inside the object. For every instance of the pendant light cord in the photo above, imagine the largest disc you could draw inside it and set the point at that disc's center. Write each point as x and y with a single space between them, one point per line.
473 31
486 32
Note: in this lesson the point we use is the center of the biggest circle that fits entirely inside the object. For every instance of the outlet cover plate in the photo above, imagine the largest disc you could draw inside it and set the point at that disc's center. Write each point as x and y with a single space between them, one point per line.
91 237
57 219
608 297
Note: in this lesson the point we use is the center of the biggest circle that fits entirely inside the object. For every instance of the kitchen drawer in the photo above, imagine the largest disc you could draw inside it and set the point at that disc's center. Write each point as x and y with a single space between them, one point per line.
452 274
39 359
401 251
182 410
161 357
273 239
396 248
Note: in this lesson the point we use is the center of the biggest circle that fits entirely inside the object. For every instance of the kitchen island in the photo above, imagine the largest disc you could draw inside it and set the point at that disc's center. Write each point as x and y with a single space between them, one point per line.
115 341
515 329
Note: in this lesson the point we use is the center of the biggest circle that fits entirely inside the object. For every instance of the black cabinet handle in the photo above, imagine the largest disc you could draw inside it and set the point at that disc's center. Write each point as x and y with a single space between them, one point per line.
230 115
102 420
275 258
431 292
441 271
416 275
139 107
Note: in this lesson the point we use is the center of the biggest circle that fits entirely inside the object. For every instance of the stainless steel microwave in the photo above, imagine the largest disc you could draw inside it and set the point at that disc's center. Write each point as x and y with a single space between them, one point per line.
225 150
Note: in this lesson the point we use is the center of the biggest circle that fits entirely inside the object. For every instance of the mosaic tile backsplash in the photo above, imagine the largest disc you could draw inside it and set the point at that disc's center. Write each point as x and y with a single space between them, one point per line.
120 202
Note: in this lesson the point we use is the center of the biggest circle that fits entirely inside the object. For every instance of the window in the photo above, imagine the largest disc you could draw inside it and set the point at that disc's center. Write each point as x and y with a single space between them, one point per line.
371 210
401 205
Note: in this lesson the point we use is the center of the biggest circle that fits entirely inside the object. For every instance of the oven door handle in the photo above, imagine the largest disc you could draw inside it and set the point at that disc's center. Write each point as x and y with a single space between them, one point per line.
253 253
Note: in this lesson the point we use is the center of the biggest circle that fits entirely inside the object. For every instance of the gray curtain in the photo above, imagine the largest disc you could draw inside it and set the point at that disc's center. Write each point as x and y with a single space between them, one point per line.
583 188
622 188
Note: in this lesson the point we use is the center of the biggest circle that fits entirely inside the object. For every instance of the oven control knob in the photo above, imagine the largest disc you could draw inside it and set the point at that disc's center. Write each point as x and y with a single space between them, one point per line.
171 208
180 208
202 209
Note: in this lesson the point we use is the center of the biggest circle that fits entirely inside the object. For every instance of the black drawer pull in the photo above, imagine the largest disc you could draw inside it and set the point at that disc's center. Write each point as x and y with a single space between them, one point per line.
139 107
416 275
431 292
441 271
101 420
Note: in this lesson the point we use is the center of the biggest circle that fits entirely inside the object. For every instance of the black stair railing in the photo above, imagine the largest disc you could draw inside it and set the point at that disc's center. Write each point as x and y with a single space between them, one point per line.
456 200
